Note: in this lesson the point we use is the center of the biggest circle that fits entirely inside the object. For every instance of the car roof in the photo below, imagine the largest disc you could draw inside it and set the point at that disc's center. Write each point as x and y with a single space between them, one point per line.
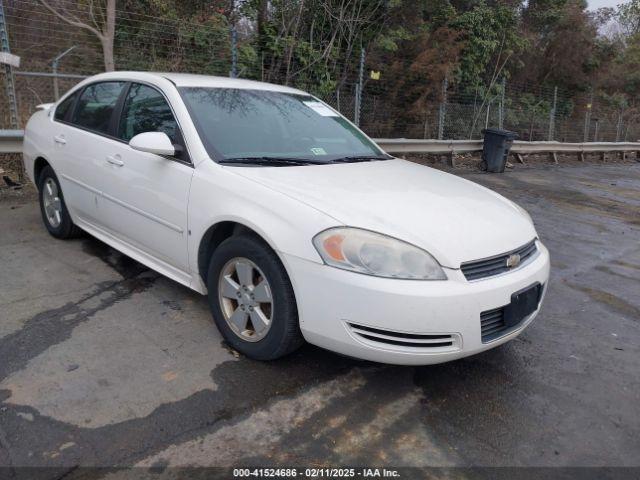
193 80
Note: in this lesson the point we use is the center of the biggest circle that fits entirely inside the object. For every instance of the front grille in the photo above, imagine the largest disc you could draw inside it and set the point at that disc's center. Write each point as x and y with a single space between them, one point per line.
492 266
390 338
492 324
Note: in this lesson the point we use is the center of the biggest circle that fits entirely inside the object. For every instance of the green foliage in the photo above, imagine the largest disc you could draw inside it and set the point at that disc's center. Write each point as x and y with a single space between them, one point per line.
545 15
311 72
185 39
629 17
247 60
315 45
616 100
531 104
491 36
439 13
390 40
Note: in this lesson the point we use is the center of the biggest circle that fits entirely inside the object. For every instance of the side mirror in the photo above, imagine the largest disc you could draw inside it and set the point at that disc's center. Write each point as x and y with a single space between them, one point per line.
153 142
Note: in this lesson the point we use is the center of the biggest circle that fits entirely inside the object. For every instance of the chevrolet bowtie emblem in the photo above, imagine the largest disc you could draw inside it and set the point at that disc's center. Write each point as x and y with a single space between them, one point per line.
513 260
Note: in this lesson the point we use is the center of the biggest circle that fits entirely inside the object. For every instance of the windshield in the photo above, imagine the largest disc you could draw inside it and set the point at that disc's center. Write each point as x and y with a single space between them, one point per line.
240 123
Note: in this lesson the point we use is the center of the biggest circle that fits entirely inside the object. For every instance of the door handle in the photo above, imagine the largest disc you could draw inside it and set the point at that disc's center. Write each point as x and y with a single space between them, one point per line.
115 160
60 139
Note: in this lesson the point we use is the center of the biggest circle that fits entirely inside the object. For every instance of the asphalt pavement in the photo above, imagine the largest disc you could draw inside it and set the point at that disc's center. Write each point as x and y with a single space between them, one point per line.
104 362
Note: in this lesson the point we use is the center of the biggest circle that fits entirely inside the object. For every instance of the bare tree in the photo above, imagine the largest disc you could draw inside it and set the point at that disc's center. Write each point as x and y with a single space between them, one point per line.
327 26
98 17
348 20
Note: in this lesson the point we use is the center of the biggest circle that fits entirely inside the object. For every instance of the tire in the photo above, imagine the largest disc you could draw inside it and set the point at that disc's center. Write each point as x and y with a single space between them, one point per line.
228 269
59 224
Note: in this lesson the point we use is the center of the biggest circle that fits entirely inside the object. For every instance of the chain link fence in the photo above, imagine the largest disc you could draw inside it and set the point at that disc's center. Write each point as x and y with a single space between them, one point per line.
384 104
534 113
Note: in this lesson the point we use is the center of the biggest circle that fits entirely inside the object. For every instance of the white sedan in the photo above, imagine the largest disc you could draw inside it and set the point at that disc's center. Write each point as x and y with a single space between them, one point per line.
296 224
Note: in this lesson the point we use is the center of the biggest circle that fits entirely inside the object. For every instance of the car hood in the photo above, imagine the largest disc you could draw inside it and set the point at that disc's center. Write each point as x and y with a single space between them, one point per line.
454 219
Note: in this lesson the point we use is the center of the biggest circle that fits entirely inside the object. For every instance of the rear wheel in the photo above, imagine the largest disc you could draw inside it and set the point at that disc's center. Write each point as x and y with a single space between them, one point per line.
252 300
54 211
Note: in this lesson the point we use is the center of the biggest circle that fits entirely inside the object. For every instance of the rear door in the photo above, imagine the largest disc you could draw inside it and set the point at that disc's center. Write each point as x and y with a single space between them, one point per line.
81 127
146 194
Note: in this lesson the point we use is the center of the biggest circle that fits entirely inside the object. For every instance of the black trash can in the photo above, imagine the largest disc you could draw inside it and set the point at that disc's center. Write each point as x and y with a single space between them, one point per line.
495 148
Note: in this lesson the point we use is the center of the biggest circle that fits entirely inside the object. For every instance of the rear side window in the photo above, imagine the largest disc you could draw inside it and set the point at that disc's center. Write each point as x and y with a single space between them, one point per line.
96 105
64 108
146 110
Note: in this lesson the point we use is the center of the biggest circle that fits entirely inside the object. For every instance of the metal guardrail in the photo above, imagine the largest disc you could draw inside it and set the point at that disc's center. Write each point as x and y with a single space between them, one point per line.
402 145
435 147
553 148
50 75
519 148
562 147
11 142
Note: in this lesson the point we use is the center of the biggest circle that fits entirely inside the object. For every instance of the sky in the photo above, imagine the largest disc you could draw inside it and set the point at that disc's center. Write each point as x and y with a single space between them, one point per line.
594 4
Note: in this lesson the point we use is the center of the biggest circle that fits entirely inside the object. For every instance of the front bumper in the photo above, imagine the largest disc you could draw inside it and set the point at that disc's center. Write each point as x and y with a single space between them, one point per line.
444 315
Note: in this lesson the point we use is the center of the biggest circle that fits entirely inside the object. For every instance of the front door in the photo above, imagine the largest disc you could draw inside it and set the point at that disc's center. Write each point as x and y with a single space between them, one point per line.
146 195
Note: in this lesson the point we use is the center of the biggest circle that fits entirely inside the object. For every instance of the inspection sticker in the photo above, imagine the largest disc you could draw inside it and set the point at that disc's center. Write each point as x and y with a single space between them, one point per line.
321 109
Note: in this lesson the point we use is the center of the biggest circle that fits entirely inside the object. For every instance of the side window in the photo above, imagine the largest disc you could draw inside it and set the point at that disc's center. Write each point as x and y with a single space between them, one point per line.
65 106
96 104
146 110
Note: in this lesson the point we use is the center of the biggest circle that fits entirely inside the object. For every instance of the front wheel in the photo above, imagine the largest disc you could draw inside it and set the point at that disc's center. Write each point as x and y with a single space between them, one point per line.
252 300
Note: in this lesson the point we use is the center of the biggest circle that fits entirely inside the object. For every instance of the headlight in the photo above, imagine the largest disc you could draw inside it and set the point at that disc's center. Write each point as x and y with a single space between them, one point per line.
375 254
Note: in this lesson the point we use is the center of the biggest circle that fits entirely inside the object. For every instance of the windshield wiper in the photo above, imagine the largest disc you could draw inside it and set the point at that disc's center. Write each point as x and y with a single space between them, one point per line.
360 158
273 161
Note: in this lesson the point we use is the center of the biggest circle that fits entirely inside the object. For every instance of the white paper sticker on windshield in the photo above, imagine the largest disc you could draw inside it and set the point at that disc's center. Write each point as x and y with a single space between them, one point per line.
321 109
318 151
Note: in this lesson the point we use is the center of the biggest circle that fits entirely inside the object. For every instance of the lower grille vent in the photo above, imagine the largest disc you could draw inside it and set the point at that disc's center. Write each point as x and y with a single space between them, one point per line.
500 321
402 339
492 324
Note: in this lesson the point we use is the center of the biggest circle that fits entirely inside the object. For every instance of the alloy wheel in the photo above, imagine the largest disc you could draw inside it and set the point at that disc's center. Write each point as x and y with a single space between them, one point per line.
246 299
52 203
